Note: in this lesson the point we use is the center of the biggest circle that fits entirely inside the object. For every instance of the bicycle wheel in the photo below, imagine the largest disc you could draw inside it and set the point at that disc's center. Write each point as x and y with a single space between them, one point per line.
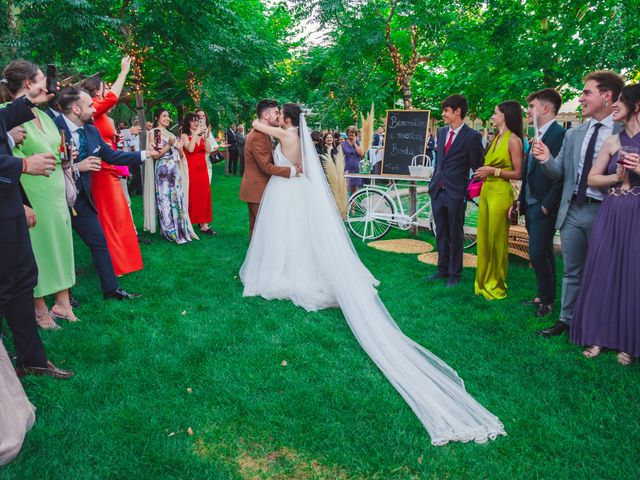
369 214
470 224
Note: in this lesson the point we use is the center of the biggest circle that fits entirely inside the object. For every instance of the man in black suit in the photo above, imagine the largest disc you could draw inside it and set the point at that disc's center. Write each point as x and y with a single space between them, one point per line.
241 139
539 198
459 149
76 122
232 165
18 270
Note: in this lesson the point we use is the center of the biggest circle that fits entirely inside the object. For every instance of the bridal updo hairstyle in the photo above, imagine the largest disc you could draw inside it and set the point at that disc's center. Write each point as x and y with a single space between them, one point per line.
292 111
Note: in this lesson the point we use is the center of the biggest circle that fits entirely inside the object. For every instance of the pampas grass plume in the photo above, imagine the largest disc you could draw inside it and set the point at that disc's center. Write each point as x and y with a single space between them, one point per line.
337 180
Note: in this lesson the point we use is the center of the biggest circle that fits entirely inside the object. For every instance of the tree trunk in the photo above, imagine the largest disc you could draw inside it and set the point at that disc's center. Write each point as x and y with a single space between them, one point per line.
407 99
12 23
141 120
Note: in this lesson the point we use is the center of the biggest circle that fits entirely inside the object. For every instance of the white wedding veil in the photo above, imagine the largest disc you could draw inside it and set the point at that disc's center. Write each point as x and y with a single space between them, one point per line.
430 387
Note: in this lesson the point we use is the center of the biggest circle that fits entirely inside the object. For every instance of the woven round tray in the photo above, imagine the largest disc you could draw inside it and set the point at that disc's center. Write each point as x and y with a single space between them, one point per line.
431 258
402 246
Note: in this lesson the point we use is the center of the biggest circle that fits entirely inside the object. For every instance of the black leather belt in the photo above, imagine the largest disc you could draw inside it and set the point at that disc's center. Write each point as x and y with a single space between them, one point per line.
587 200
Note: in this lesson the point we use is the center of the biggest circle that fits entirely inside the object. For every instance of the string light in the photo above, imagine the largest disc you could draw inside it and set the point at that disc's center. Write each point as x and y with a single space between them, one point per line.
194 88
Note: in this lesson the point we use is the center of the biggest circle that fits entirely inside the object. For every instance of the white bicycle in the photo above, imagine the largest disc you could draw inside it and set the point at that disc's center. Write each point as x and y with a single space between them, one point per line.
374 209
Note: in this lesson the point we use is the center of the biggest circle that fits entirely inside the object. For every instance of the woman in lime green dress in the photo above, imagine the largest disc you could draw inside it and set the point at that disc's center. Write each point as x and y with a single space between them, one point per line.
502 163
51 236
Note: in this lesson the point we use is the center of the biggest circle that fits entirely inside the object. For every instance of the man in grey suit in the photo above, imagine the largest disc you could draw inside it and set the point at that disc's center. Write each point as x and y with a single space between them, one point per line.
579 204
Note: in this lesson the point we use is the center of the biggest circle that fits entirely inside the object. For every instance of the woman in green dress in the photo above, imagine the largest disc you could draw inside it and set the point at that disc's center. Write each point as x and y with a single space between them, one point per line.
51 236
502 163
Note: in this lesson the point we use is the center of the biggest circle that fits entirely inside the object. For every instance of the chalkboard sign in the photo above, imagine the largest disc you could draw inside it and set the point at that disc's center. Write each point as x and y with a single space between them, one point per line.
405 137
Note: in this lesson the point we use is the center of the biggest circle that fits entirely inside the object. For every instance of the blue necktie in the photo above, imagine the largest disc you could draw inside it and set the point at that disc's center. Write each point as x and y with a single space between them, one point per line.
83 146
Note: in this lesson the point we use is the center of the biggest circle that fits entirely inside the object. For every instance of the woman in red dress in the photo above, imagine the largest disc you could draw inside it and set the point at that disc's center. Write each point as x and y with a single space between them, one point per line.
195 138
108 197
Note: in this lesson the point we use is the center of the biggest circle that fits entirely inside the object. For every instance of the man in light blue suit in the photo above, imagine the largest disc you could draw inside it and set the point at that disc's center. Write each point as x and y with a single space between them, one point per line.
579 203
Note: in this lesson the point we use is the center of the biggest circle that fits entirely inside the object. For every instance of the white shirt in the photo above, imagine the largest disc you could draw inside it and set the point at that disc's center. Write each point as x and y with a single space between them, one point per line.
605 130
73 129
543 129
455 135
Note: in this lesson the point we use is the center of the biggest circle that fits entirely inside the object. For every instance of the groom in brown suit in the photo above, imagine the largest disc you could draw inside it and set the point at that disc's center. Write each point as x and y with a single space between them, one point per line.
258 161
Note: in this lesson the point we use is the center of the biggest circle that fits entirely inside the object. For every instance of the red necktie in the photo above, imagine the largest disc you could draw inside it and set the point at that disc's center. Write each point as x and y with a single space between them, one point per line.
449 142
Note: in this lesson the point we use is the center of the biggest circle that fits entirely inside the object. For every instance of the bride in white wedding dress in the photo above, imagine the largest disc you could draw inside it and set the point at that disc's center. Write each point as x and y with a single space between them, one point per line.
301 251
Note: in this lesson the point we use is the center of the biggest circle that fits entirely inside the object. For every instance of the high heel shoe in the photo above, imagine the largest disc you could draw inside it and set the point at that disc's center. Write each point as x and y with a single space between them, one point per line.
69 316
625 359
45 320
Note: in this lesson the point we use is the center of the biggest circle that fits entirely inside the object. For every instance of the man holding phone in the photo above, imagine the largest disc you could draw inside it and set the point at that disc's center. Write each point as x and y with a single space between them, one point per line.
18 270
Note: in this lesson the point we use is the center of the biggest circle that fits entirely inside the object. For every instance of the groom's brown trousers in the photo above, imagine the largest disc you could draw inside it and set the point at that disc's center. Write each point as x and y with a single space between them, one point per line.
253 213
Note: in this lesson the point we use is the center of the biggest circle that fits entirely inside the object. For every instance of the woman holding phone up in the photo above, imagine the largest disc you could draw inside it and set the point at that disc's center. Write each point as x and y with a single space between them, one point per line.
196 144
607 313
171 181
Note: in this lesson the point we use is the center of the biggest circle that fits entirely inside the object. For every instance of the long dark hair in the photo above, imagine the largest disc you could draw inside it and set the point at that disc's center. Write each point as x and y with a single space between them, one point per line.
14 76
92 85
156 115
186 123
630 96
512 111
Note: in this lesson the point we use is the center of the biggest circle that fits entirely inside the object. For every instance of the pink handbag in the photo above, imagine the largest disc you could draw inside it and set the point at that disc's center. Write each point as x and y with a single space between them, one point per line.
474 188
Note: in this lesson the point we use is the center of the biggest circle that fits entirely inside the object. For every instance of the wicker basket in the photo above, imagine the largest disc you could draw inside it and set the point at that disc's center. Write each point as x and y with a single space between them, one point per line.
423 171
519 241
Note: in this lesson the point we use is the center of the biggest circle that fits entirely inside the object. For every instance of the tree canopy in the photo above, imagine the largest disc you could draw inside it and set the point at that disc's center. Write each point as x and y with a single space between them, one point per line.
227 54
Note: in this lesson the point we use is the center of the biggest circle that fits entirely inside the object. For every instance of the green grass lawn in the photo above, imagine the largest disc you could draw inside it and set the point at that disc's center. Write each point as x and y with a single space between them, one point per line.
327 412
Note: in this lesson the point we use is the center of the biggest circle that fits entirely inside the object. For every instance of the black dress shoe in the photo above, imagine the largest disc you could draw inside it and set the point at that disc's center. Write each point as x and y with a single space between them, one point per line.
50 370
143 241
120 294
544 310
558 329
452 282
436 276
209 231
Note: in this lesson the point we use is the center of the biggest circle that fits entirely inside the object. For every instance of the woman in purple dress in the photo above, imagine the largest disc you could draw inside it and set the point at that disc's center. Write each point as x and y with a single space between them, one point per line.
352 156
607 313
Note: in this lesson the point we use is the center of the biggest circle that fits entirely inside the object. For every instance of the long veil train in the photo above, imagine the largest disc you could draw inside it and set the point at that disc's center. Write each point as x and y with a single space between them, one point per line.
432 389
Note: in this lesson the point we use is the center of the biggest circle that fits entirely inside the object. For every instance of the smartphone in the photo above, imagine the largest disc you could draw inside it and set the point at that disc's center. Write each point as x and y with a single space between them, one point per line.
157 137
203 123
52 78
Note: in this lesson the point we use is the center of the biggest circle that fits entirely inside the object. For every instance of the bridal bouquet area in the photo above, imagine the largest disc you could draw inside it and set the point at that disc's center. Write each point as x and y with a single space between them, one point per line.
194 381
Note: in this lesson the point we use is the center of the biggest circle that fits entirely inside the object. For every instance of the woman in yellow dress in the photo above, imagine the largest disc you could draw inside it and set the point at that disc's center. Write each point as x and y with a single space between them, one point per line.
502 163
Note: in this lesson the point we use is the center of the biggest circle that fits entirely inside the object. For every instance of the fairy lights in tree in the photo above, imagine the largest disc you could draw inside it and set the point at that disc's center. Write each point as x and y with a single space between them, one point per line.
194 88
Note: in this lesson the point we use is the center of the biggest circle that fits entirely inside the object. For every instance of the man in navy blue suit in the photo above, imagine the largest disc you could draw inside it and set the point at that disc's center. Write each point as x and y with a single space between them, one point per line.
459 149
18 270
76 122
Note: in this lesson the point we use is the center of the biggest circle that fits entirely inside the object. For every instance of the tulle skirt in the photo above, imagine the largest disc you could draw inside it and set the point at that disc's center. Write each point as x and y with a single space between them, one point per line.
16 412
